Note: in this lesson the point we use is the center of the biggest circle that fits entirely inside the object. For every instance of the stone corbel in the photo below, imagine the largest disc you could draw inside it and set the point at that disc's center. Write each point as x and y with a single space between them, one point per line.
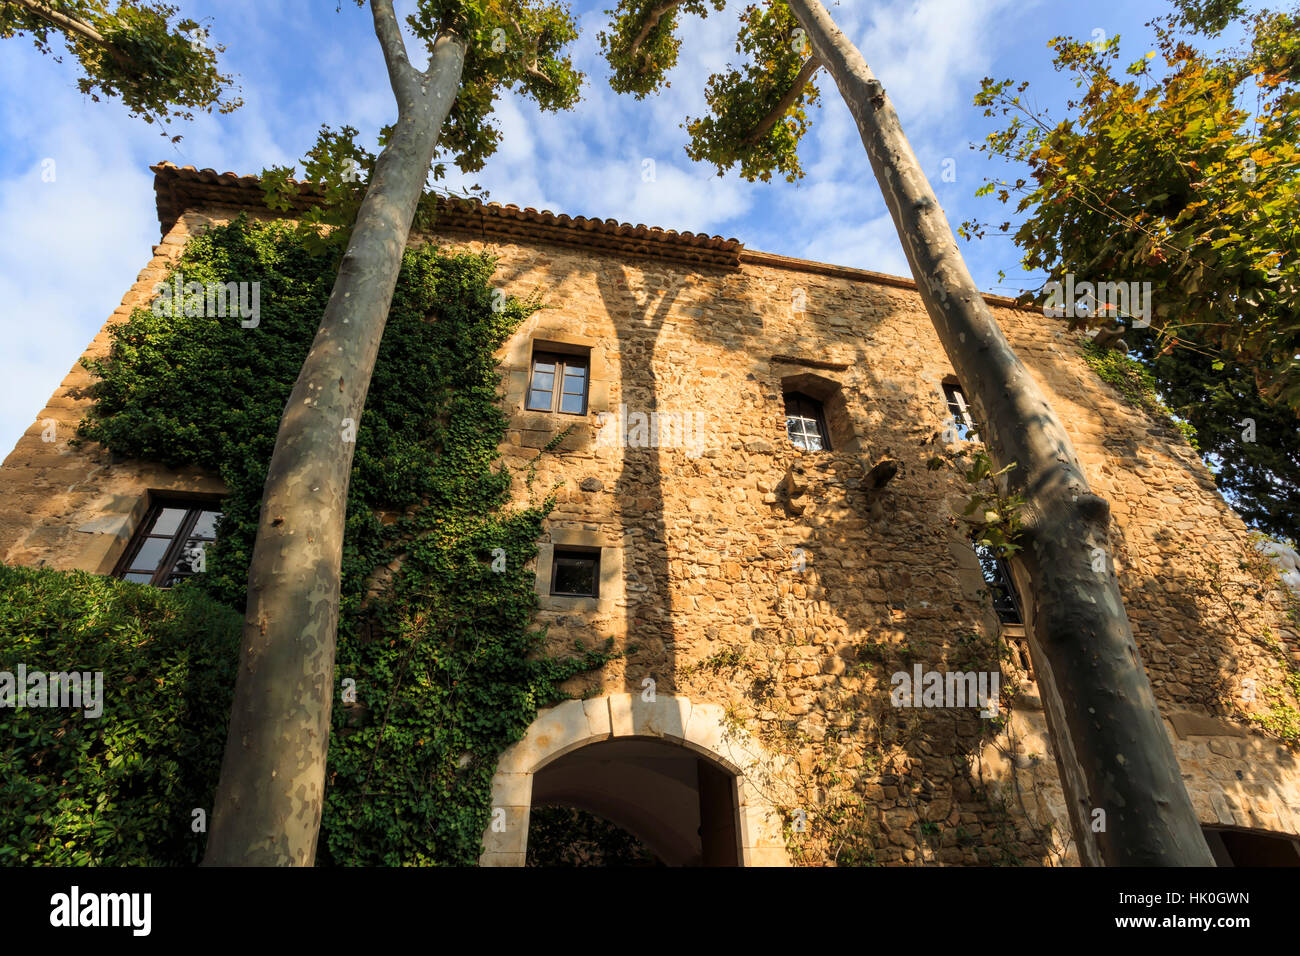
878 476
794 489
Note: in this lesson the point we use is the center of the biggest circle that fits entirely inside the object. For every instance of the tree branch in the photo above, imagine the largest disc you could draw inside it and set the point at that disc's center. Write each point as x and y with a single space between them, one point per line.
71 24
532 69
80 27
810 66
656 14
401 74
446 45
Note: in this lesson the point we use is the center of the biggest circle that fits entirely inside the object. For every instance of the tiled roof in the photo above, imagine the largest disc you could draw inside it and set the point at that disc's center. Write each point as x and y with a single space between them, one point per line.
178 188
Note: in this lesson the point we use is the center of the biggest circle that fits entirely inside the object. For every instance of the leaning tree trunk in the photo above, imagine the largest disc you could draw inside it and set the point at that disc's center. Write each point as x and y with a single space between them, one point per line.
268 805
1112 749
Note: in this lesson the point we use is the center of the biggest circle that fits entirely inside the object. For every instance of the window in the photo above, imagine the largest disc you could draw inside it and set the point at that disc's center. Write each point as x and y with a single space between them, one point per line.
171 543
575 572
998 578
959 409
558 383
805 422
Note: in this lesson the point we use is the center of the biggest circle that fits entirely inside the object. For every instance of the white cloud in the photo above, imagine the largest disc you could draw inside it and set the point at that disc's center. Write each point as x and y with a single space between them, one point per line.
71 249
927 53
869 245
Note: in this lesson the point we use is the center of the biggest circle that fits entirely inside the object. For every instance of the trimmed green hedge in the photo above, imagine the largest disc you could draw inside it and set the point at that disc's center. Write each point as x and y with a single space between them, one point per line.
120 789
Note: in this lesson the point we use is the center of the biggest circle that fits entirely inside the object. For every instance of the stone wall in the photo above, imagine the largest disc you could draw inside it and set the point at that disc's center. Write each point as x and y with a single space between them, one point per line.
76 508
793 613
773 584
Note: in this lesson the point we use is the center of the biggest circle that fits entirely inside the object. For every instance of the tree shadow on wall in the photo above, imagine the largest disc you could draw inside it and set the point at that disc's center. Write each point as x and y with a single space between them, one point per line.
637 320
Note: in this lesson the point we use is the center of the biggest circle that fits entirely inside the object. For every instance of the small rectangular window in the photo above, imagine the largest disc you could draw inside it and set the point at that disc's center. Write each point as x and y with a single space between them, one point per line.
171 543
558 383
805 422
960 412
575 572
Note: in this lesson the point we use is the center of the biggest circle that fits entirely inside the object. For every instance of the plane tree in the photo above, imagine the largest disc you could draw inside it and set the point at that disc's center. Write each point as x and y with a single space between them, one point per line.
160 67
1127 800
1180 169
269 799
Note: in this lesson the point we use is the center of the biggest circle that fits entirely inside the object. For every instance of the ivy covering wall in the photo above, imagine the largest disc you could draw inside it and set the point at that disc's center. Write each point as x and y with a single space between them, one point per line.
436 607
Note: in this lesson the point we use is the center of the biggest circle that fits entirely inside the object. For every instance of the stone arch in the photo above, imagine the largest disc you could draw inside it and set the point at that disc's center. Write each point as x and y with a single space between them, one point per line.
698 727
1237 779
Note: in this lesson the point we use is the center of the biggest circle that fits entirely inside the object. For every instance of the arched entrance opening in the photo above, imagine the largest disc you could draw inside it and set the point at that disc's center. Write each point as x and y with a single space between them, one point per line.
680 805
1238 846
669 770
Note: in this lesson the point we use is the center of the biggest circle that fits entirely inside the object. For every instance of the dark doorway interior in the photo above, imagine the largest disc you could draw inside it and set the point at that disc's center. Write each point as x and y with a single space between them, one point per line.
680 807
566 836
1252 847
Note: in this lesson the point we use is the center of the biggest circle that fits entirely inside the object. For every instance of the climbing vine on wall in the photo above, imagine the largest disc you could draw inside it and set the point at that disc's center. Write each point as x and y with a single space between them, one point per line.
1260 606
436 602
1136 383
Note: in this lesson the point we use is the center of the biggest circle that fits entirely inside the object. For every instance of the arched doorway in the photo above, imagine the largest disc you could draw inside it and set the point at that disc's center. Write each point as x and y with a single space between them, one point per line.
1239 846
671 772
681 806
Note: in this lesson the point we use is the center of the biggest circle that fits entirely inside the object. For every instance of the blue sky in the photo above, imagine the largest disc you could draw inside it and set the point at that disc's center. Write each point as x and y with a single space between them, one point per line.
70 248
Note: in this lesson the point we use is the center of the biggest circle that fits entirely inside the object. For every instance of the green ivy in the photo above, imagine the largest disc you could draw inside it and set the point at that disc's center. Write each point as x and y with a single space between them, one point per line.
1135 382
120 788
436 633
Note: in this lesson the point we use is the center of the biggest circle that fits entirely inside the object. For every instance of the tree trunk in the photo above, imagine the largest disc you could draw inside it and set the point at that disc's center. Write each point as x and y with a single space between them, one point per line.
1112 748
268 805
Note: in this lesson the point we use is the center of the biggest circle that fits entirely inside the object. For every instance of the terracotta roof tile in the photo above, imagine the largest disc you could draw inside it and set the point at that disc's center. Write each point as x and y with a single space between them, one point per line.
178 188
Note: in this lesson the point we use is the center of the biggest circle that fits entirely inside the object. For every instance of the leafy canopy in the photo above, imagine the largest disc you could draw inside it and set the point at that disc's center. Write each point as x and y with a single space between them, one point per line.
1207 16
758 112
1224 408
162 69
641 43
1186 177
517 45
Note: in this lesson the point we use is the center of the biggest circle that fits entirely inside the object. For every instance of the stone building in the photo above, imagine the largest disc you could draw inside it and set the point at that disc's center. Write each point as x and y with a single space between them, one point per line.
716 515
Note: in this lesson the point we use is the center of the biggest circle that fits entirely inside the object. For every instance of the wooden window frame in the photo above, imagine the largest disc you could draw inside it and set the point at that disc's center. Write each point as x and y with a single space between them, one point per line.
560 554
818 417
194 507
562 361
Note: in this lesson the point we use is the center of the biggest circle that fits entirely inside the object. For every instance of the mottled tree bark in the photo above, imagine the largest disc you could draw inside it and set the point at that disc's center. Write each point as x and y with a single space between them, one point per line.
268 804
1111 743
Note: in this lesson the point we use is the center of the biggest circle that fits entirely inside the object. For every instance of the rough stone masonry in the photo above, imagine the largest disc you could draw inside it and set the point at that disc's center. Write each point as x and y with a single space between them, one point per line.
776 587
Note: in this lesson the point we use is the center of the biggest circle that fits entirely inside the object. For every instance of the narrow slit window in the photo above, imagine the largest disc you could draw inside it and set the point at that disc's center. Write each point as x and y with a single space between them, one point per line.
960 412
171 544
997 576
559 383
575 573
805 422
